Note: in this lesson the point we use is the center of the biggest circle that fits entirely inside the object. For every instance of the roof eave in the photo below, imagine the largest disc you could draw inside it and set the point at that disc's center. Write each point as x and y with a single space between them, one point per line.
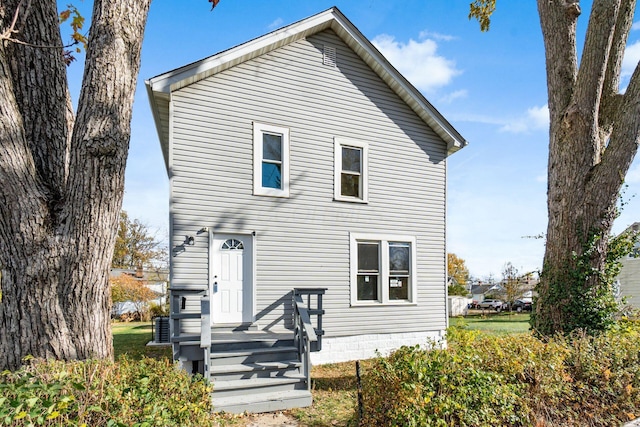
166 83
350 34
157 118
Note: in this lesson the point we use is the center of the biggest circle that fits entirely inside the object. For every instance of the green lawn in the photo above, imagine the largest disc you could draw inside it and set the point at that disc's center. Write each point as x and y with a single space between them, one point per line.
495 323
131 338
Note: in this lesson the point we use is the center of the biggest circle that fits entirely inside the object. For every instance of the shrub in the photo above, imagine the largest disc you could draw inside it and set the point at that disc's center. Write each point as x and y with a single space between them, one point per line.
515 380
141 393
156 310
416 387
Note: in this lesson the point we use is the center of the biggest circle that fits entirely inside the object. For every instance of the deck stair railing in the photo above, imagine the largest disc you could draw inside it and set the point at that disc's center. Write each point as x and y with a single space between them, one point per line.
179 299
307 297
305 335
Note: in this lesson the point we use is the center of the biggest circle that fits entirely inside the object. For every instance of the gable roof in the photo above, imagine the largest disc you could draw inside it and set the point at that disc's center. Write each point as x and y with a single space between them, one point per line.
160 87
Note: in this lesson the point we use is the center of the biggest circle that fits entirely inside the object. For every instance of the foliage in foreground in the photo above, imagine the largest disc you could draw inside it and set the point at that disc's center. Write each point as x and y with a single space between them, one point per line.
509 381
587 295
140 393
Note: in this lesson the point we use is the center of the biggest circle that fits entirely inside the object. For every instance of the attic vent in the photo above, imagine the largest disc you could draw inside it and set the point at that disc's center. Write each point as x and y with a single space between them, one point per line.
329 56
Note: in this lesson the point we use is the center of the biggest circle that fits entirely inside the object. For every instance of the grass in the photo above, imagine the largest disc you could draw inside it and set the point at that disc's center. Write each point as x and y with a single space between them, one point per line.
335 397
131 338
495 323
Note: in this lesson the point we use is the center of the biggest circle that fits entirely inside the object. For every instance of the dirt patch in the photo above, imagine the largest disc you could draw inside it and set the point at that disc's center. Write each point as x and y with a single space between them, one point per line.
268 419
272 419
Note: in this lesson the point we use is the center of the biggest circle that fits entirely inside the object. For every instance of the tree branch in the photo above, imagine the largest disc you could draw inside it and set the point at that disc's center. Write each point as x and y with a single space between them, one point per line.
40 88
590 80
101 134
597 48
611 98
623 143
558 22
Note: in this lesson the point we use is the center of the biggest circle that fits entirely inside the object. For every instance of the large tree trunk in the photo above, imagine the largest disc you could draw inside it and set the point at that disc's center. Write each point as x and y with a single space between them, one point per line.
593 139
62 179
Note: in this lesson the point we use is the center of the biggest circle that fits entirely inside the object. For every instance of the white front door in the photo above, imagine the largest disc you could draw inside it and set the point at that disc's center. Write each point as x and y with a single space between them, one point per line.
231 278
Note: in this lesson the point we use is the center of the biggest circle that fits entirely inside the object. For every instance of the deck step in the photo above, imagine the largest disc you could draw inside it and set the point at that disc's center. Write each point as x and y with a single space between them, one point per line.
255 367
253 370
221 345
257 386
265 402
257 383
253 355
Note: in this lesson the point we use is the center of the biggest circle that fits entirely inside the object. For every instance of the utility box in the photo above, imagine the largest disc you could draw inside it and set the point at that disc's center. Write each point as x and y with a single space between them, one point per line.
162 332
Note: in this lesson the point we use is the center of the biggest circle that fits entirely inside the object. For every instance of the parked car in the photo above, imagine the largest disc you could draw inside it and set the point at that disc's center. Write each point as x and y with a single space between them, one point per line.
520 306
494 304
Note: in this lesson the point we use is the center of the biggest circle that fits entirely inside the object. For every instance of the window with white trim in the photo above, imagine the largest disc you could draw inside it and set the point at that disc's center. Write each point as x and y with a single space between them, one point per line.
350 170
270 160
383 269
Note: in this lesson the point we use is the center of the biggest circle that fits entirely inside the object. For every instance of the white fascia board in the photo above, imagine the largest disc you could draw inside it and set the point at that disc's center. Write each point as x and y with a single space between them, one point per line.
157 118
199 70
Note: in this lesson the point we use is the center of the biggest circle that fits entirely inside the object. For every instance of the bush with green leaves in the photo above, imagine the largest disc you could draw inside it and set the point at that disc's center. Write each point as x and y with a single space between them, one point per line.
139 393
515 380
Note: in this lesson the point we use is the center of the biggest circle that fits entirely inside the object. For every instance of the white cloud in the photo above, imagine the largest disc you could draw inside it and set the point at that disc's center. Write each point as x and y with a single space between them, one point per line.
429 34
275 24
535 119
449 98
417 61
631 58
542 177
635 26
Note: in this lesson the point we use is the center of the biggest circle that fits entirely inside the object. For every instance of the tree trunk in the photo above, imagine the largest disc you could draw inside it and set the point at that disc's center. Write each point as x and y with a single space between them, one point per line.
62 179
593 139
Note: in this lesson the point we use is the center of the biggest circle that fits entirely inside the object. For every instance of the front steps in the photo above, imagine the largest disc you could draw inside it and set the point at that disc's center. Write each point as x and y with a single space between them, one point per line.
256 372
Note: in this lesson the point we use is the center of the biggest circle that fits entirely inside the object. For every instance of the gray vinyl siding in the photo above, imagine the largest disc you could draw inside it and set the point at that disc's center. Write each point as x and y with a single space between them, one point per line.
629 278
303 240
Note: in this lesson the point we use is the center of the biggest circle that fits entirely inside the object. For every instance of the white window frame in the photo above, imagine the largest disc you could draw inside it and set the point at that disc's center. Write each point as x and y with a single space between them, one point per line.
259 129
338 143
383 285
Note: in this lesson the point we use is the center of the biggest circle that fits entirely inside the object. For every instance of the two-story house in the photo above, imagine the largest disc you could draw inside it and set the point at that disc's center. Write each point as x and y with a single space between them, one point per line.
301 160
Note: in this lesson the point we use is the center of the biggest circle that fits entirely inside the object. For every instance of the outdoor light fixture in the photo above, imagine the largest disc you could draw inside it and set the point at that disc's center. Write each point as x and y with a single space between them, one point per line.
203 230
189 240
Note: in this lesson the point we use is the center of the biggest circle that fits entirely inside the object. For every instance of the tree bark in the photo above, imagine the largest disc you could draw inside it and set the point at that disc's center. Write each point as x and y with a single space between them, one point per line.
593 138
62 179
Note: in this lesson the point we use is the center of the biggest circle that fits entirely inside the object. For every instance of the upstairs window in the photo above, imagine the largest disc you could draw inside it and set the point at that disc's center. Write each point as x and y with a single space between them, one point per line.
270 160
350 163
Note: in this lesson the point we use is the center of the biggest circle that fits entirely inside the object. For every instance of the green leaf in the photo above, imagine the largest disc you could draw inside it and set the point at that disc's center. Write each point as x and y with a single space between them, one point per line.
79 386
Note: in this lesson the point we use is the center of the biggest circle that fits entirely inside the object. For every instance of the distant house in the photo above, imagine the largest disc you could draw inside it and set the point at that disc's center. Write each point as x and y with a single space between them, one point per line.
308 179
479 292
156 280
629 277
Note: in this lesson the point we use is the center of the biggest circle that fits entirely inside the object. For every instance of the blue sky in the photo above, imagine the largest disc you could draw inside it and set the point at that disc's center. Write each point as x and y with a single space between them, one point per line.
490 86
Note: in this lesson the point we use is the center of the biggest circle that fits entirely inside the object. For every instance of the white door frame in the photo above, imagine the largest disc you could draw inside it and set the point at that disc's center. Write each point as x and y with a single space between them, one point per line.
249 272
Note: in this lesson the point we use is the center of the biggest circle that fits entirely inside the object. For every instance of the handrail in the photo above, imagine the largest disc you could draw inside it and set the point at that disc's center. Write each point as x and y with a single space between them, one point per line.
304 319
303 336
313 295
179 297
205 333
205 322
